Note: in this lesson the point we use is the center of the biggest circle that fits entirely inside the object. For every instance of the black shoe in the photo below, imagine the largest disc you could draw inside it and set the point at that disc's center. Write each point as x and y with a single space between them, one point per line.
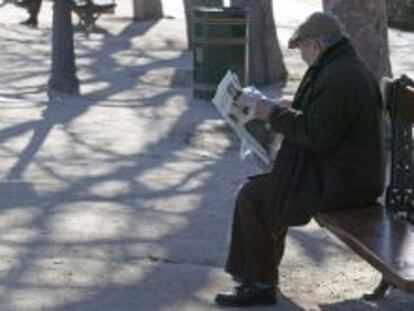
247 295
30 22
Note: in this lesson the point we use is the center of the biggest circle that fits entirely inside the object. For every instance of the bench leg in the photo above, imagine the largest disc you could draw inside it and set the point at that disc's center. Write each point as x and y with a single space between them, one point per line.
379 292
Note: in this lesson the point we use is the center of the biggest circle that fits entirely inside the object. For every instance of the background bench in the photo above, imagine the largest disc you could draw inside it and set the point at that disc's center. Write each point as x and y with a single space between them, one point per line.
89 11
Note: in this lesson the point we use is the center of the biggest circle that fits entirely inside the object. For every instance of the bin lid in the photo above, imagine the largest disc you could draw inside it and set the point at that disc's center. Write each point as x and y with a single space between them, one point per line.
205 11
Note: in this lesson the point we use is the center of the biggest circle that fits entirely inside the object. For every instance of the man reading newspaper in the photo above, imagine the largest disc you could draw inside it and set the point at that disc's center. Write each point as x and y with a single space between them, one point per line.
331 157
236 105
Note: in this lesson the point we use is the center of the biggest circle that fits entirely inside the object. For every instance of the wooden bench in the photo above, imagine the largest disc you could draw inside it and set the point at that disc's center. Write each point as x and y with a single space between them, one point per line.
89 11
384 235
384 241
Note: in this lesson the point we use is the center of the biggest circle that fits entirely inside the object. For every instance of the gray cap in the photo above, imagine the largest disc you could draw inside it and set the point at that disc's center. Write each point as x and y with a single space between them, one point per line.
316 26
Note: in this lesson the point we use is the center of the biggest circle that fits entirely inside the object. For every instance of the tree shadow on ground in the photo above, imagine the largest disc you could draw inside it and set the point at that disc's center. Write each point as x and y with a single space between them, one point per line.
307 239
285 303
111 255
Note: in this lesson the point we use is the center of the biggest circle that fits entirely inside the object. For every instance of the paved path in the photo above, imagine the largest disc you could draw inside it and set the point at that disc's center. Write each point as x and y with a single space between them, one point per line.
121 200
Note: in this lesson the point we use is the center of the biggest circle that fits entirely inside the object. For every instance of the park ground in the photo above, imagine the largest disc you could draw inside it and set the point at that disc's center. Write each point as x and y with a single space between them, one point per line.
121 199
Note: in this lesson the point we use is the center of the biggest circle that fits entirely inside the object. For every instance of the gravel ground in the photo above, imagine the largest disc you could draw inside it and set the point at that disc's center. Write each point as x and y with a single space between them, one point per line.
122 199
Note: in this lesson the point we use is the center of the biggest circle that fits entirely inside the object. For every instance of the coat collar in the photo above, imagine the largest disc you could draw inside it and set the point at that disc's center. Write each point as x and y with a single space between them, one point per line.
342 48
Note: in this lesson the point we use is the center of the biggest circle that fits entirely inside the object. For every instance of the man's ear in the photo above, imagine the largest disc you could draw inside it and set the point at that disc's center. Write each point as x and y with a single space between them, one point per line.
316 44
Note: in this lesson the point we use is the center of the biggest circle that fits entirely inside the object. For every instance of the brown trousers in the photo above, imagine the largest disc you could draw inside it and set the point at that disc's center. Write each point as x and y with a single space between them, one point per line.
255 250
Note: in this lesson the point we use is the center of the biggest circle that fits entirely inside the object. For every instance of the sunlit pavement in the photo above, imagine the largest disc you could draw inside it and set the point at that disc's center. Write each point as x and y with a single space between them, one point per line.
121 199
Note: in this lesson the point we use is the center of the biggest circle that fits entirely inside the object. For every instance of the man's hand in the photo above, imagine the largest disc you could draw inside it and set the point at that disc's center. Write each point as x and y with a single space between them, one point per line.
264 107
247 100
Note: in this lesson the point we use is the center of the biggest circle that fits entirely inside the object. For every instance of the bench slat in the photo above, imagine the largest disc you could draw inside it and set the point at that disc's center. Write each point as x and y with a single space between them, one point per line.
407 104
386 243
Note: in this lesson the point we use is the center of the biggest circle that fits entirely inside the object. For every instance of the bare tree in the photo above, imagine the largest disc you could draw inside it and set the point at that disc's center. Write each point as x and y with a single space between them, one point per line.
188 6
63 74
147 9
365 21
266 60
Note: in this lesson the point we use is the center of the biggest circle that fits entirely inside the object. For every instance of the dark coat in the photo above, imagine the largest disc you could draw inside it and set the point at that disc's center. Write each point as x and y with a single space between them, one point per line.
332 155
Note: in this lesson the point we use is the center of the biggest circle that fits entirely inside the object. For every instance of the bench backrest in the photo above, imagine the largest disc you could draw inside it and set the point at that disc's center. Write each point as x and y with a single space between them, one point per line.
399 100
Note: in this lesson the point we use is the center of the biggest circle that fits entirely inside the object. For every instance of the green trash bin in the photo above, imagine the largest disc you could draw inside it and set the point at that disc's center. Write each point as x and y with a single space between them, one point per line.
220 38
189 5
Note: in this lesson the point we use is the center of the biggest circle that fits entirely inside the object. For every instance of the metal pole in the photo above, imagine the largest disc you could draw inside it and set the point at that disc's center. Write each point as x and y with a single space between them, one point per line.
63 74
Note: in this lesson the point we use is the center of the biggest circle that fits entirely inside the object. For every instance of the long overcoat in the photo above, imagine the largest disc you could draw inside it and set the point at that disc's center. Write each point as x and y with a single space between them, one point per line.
332 155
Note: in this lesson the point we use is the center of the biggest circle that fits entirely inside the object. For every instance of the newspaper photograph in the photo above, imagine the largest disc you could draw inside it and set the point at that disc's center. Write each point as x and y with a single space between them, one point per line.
256 135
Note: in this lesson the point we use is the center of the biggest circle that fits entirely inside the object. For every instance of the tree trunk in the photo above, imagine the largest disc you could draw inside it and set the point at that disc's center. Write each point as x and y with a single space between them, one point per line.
365 21
147 9
265 56
188 6
401 14
63 74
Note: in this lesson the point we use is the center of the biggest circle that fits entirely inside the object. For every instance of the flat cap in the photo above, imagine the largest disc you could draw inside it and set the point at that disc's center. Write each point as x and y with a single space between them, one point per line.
316 26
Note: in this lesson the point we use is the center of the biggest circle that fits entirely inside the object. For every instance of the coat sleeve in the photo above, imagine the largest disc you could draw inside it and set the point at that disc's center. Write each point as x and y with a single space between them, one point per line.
326 118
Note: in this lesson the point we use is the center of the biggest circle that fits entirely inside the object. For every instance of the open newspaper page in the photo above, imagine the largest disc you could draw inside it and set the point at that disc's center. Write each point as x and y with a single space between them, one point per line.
255 134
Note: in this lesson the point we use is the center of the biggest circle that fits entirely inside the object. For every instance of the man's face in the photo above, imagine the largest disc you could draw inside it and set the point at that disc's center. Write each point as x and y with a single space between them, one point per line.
309 51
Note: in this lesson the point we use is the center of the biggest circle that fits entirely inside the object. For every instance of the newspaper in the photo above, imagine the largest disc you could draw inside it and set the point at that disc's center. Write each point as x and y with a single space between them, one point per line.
256 135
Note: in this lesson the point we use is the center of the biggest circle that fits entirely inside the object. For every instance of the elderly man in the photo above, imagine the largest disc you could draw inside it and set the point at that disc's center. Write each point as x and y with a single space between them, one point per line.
331 157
